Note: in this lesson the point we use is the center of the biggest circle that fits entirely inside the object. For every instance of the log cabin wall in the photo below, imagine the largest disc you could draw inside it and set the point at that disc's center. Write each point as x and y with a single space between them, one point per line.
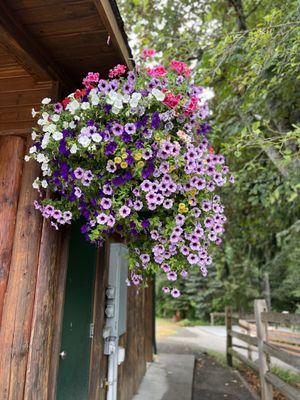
46 49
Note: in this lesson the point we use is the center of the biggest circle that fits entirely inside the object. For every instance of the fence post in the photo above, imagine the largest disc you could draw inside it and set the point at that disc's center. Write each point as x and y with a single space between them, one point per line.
212 320
262 332
228 320
249 351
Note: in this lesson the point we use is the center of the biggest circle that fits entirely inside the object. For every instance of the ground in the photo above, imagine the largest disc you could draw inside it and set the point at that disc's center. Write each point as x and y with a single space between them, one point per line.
211 381
212 378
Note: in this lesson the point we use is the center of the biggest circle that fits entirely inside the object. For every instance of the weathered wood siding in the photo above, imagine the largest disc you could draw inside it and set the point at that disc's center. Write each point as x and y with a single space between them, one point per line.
137 341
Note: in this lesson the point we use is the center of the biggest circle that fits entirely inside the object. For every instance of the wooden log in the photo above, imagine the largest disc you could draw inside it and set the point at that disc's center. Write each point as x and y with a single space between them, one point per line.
262 329
228 312
11 162
282 355
287 390
41 343
19 298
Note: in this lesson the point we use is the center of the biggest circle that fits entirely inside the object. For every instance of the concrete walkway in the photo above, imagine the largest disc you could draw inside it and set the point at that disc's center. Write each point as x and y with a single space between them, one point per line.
169 377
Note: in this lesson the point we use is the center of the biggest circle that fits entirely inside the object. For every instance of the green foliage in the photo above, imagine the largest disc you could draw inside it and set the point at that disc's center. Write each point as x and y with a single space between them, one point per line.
249 51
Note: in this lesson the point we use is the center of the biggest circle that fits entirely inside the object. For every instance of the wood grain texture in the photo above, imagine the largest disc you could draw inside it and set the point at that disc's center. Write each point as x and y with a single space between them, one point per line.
98 361
57 316
11 162
19 298
45 308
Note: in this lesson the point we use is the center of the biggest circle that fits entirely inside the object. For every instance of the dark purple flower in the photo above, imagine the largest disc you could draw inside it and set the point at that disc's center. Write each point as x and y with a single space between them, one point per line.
126 138
127 176
63 148
145 223
84 229
148 170
155 120
107 108
139 144
118 181
142 122
110 148
130 160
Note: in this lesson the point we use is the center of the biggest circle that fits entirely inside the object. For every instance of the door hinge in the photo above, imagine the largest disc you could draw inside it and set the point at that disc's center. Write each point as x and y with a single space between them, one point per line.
91 334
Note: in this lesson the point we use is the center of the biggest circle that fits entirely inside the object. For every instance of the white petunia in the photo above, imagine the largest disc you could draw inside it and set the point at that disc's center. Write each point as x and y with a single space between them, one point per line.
26 158
158 94
36 183
32 150
55 117
135 98
45 140
33 135
57 135
84 141
40 158
207 94
44 166
33 112
94 100
73 149
85 105
126 98
72 125
50 128
73 106
46 100
96 137
44 183
115 110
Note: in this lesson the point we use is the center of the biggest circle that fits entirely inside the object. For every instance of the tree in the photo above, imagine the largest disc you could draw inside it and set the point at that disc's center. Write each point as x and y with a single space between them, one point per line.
248 50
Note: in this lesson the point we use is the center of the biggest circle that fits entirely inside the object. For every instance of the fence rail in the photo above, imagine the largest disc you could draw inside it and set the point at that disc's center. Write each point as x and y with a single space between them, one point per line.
267 342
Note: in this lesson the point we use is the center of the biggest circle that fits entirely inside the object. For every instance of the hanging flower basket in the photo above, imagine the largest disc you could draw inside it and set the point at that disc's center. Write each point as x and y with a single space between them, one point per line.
130 155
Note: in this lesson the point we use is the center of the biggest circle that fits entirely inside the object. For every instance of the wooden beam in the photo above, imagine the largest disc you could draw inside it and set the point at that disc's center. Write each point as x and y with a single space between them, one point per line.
109 20
17 42
20 292
11 162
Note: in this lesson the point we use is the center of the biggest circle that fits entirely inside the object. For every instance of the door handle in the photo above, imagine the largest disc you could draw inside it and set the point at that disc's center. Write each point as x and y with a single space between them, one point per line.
63 355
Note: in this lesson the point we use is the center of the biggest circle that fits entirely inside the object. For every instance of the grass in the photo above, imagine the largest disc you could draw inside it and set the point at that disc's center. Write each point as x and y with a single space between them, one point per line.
287 375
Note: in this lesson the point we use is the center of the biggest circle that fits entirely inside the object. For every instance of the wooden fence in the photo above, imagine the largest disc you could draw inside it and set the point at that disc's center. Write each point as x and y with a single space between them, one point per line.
268 342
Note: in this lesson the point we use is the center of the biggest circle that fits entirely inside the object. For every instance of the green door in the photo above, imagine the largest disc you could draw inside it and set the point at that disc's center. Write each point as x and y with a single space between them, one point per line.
73 377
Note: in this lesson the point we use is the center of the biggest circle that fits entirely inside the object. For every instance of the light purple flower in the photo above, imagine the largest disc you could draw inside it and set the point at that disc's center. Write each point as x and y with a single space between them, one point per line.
102 219
105 203
175 293
172 276
193 259
130 128
124 211
78 173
